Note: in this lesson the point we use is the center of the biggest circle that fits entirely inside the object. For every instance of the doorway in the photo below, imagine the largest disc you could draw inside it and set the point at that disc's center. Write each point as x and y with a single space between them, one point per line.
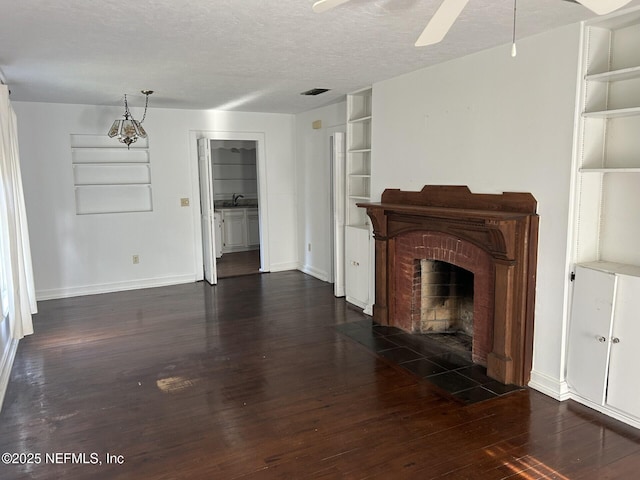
235 199
232 211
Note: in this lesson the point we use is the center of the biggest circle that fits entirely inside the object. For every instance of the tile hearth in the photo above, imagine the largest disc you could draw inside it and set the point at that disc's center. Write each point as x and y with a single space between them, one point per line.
434 361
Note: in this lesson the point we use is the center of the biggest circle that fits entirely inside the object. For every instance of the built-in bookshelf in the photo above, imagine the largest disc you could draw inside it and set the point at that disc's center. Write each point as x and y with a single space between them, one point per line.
108 177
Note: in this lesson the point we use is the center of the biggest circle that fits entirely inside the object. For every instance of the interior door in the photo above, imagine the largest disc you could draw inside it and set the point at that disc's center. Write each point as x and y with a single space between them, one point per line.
206 211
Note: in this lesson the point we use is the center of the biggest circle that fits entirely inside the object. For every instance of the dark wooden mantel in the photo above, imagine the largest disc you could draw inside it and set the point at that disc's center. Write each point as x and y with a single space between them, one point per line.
504 225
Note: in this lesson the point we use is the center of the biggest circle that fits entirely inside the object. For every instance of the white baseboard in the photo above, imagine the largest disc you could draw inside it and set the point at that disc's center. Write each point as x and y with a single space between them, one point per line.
356 302
6 363
634 422
550 386
113 287
314 272
282 267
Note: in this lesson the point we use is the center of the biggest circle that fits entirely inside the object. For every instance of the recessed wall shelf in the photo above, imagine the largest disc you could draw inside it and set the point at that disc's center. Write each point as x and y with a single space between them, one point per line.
108 177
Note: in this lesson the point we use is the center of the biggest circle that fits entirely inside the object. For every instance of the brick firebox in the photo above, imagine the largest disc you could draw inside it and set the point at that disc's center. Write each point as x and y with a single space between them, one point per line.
494 236
410 248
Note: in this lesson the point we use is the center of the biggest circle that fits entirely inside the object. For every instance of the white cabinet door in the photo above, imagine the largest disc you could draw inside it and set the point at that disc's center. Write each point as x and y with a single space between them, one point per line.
623 391
253 228
234 230
357 265
589 333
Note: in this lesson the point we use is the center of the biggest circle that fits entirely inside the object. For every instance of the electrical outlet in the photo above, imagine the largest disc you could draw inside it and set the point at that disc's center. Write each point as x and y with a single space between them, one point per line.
184 202
136 259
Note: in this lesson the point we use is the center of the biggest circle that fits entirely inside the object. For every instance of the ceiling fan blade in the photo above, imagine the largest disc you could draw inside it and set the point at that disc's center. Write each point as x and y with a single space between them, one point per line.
602 7
441 22
324 5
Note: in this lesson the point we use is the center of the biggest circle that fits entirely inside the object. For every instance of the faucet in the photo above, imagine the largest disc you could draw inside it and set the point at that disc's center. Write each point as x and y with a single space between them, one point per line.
235 198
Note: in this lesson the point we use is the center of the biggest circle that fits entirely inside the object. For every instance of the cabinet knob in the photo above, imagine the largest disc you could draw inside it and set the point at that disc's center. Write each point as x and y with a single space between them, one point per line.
615 340
601 339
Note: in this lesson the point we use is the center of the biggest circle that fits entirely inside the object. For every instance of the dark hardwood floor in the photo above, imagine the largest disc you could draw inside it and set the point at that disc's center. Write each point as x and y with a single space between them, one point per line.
238 263
251 379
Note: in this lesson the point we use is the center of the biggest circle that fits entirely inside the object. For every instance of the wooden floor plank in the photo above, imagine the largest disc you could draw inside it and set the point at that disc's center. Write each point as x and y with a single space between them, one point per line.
250 379
238 263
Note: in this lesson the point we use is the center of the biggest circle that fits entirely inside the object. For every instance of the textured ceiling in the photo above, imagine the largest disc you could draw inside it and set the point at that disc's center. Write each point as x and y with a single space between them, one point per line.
248 55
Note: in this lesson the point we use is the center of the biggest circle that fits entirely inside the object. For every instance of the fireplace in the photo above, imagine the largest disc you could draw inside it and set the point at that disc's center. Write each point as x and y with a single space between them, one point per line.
493 237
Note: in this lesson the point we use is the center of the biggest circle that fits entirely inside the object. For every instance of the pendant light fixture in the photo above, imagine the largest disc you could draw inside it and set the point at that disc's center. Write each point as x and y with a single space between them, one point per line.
127 131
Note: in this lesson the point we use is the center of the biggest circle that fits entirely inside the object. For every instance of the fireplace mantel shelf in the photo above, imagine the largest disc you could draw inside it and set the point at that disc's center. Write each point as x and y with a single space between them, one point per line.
444 212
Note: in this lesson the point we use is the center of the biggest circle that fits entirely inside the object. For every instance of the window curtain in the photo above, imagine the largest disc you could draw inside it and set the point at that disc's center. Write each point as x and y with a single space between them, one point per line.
16 274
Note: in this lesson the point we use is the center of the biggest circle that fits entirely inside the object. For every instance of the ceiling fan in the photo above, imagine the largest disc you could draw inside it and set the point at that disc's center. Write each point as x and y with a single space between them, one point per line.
449 11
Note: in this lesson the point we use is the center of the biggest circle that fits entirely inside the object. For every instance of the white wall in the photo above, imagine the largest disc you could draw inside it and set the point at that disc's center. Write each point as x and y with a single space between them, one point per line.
314 180
75 255
494 123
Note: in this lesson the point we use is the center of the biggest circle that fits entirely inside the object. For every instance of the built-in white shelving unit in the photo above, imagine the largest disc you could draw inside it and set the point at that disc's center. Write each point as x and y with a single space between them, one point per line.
108 177
358 237
603 333
358 155
608 184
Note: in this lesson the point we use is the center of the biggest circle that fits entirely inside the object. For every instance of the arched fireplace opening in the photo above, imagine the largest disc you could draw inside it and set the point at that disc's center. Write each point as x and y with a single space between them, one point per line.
444 256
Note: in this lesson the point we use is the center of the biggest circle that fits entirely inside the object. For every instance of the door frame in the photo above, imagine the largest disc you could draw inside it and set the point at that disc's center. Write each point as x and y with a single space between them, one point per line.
336 138
263 210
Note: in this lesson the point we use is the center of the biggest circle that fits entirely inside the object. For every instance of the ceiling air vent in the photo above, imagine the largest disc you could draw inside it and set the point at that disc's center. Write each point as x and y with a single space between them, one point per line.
315 91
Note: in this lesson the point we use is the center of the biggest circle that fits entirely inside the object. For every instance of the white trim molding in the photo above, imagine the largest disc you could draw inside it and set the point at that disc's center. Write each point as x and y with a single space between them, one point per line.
282 267
113 287
611 412
6 364
314 272
550 386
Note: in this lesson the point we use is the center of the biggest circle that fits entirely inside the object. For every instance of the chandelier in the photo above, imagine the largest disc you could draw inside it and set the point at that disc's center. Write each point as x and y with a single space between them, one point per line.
129 130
